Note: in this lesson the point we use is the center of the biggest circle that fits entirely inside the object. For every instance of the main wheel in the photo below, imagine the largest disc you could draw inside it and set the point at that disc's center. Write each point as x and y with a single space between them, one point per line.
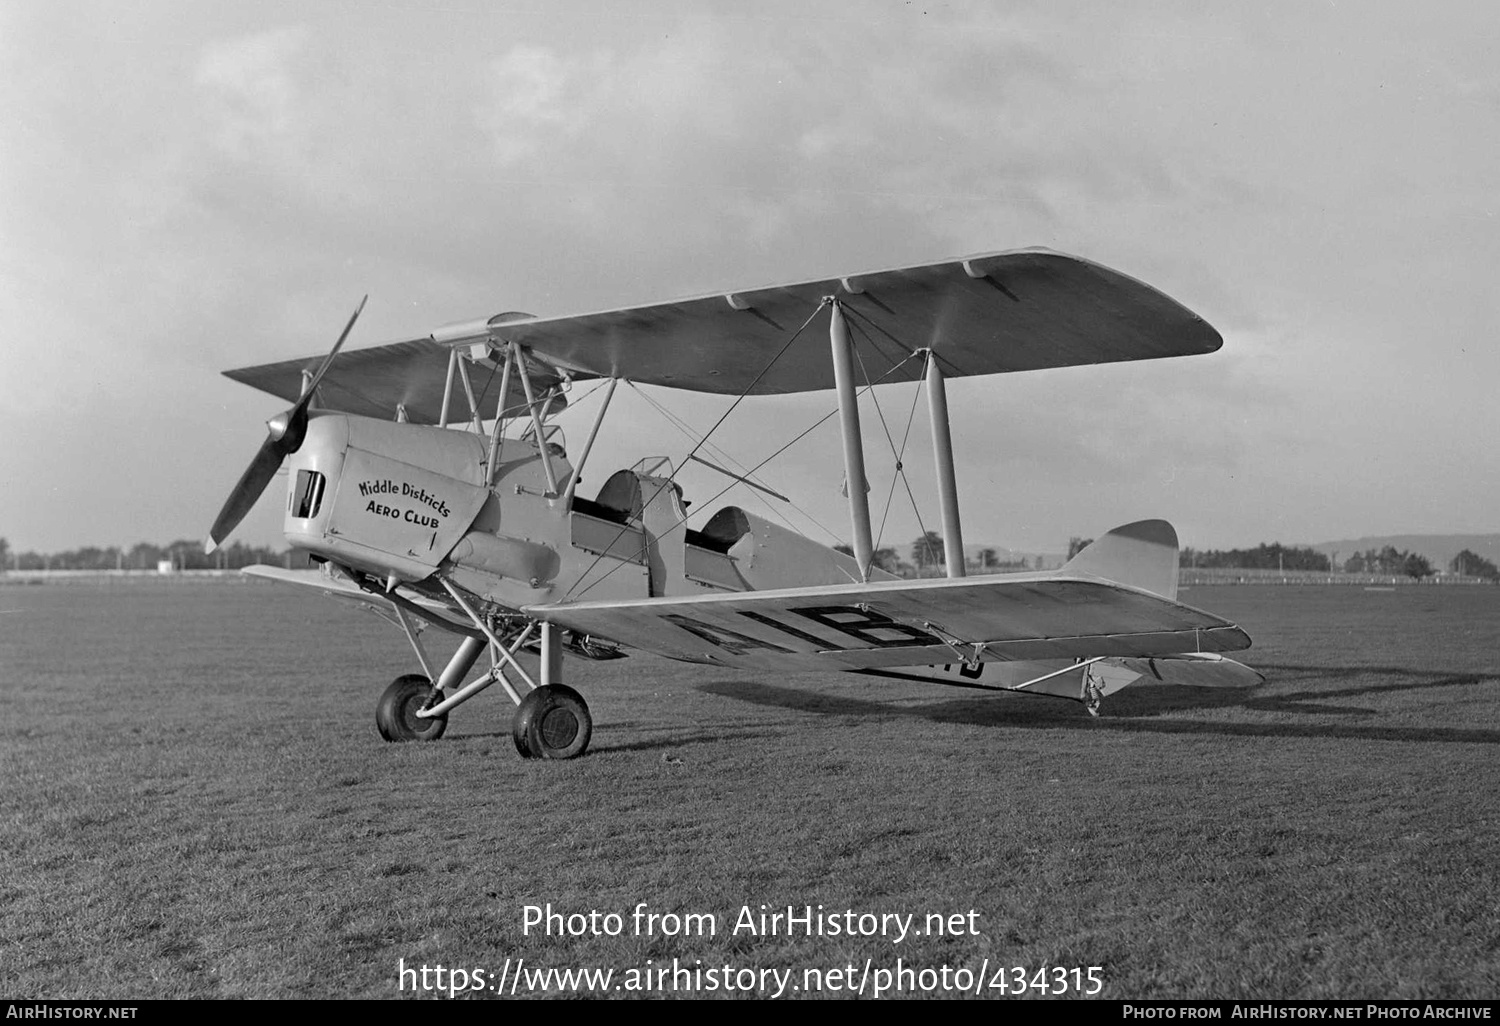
552 722
396 715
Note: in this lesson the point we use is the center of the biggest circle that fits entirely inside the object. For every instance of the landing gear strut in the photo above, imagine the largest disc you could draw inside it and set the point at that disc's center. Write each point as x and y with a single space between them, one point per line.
552 720
1093 694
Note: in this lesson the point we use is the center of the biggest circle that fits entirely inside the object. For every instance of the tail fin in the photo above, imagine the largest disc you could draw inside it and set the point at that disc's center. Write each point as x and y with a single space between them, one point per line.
1142 555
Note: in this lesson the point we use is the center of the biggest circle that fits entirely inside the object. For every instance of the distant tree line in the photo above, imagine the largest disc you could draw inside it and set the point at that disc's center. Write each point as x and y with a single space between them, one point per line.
183 554
1470 564
1274 556
929 556
1388 560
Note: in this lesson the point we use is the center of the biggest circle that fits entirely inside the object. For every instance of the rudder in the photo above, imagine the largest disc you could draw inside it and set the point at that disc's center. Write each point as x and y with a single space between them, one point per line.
1142 555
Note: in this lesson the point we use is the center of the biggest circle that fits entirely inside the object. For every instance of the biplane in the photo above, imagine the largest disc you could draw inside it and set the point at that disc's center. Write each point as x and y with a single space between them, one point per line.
430 481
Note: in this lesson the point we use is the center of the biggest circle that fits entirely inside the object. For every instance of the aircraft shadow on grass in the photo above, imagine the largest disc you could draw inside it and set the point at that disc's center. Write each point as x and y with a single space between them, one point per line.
671 737
1396 679
1144 709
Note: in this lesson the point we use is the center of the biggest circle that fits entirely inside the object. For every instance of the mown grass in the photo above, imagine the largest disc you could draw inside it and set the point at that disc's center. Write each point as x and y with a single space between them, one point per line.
196 803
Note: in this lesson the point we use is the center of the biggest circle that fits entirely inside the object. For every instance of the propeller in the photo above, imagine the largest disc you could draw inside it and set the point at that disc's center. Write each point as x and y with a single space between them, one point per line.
284 434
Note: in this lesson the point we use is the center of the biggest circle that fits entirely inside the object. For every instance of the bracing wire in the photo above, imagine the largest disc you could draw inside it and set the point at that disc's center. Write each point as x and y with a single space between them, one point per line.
686 429
714 498
953 368
900 468
511 412
671 478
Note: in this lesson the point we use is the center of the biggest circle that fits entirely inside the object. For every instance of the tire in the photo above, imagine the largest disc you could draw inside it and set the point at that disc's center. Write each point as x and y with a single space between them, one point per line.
552 722
396 714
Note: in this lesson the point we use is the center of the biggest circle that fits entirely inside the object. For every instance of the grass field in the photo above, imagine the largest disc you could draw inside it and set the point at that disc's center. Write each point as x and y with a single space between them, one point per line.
196 803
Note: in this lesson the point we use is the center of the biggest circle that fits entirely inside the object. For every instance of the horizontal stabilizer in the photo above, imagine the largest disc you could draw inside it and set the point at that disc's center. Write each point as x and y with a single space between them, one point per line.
1142 555
1197 669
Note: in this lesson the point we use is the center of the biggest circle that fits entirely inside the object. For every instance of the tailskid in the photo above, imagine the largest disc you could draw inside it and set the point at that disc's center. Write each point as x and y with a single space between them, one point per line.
1087 681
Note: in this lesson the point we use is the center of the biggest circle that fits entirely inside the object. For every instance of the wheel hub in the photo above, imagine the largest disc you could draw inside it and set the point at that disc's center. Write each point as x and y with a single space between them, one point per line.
559 727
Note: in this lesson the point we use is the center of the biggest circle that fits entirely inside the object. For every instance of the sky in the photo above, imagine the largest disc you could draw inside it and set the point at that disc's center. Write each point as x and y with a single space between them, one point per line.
187 188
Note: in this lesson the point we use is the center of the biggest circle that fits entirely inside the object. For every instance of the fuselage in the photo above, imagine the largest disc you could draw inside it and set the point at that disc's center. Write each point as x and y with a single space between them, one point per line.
407 501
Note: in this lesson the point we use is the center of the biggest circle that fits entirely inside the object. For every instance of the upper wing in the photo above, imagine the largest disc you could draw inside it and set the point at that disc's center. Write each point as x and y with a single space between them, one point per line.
1013 311
374 382
907 623
990 314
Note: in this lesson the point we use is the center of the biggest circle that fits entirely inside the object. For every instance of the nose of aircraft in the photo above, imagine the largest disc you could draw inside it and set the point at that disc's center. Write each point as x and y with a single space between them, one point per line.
284 434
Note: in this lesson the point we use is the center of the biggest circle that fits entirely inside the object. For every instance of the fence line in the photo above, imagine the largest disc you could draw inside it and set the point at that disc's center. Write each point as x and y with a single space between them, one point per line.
1230 575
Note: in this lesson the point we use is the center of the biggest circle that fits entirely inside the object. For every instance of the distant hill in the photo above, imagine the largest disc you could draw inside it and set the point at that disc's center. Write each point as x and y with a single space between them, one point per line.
1438 548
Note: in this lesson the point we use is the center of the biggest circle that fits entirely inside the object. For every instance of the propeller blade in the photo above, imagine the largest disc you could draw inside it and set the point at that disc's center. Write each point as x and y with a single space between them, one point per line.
245 494
287 431
328 360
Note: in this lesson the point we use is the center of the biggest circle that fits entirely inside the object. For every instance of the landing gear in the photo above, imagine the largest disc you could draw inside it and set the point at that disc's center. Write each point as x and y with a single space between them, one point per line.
552 722
1093 694
396 715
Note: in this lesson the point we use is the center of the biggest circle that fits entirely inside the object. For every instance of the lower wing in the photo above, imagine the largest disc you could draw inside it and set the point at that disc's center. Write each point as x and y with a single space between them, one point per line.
335 584
972 620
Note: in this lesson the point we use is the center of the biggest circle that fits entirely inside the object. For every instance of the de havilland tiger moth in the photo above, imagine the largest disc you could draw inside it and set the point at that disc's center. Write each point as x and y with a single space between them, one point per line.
413 506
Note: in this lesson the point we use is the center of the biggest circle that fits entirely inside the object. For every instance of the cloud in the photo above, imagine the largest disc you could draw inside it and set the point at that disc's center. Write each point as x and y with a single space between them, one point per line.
537 100
189 188
253 95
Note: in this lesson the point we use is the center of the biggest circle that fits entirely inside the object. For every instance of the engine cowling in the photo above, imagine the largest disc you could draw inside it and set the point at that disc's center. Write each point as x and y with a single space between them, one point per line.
383 497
